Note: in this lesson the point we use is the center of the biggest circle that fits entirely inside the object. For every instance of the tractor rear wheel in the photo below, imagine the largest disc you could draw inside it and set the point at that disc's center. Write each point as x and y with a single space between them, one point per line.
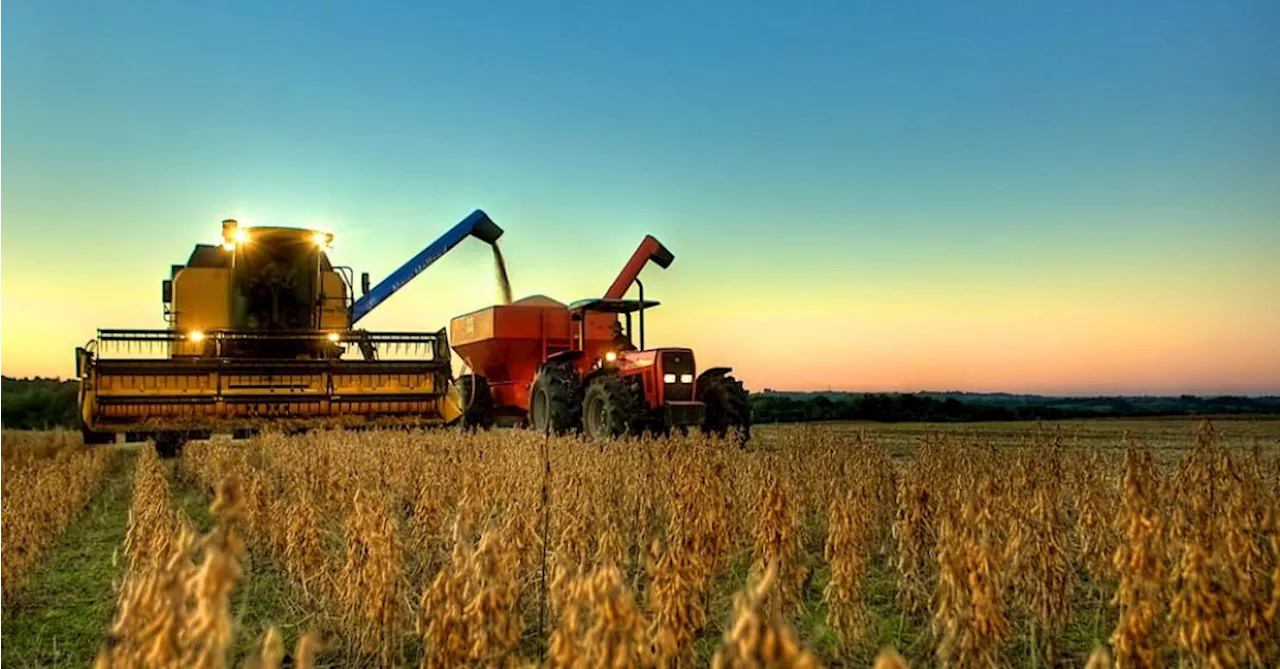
477 402
554 404
609 408
727 408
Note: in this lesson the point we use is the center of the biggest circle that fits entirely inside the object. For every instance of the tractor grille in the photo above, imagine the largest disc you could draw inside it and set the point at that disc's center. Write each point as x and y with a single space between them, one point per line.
684 413
679 363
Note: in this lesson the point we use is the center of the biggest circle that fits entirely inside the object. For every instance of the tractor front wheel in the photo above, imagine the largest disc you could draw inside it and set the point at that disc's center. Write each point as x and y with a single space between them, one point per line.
727 407
553 400
609 408
477 402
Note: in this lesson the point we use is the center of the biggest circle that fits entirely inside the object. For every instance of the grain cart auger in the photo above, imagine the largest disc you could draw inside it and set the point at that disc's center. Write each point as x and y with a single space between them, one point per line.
260 326
563 368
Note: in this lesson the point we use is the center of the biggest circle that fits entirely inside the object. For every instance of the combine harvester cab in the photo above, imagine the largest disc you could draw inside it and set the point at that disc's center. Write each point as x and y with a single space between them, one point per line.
262 333
564 368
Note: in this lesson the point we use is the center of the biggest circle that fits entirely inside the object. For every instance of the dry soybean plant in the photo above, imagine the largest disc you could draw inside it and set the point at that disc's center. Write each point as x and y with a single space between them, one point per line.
1041 561
506 548
858 514
758 635
971 617
1140 562
47 479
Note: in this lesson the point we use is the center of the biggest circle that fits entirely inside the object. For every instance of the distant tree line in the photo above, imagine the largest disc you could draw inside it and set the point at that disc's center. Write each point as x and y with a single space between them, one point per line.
38 404
907 407
41 403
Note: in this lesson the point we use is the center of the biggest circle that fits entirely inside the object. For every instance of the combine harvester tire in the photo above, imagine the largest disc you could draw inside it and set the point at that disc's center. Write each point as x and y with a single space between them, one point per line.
477 402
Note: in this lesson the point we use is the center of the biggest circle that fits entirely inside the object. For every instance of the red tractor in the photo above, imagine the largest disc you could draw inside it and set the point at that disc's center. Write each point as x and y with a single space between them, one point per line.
562 368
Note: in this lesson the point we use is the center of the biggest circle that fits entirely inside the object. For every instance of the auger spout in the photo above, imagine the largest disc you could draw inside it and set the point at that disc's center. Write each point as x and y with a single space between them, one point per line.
477 224
649 249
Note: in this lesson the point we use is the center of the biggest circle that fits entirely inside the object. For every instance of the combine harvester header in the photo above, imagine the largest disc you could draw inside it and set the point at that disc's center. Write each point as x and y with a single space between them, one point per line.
258 329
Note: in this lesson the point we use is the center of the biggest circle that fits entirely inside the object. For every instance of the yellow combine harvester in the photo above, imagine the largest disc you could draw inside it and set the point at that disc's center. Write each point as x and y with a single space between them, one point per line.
262 332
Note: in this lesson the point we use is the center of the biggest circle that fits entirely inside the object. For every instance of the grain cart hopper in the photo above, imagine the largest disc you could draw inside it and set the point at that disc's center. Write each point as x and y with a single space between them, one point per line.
564 368
262 332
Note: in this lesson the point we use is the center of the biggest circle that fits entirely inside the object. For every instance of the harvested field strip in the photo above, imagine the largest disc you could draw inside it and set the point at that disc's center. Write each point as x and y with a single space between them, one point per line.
175 606
266 598
58 618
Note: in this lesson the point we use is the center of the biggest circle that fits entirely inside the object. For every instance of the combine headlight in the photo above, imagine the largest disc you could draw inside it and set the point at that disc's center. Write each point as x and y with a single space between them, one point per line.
686 378
668 378
611 356
334 337
195 335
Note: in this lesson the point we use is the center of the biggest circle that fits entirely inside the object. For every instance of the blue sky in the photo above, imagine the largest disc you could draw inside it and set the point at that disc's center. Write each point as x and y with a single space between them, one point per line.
822 165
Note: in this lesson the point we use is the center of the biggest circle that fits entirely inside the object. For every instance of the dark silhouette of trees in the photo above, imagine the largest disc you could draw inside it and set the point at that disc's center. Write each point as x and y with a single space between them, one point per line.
774 407
36 404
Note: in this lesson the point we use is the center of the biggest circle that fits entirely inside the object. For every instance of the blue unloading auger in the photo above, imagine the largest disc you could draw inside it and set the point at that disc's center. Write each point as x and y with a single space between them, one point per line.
477 224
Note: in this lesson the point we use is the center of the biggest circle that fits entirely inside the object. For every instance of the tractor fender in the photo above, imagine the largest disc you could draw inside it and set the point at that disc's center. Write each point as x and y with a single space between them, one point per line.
713 371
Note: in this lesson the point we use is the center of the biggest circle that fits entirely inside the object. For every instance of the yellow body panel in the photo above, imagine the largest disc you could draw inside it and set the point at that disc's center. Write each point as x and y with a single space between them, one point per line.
201 303
333 307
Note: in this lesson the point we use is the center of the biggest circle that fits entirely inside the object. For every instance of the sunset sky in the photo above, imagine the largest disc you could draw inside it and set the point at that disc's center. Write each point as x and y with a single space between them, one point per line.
1064 198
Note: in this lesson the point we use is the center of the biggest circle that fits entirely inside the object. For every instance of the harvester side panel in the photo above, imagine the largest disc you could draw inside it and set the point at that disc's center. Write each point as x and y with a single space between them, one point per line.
334 305
201 301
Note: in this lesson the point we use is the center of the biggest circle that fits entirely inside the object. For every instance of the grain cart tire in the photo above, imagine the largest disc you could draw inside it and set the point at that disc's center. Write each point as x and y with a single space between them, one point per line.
727 407
168 444
609 408
554 399
477 402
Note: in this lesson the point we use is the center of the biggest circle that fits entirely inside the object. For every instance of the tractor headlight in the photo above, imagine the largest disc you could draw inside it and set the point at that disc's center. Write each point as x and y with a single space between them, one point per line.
668 378
611 356
334 337
195 335
686 378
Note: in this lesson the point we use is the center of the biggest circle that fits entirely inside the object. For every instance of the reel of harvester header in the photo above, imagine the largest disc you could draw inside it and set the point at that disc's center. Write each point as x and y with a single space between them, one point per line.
262 332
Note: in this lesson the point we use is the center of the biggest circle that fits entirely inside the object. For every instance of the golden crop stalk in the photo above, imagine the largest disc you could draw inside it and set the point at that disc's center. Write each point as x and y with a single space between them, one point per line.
507 548
47 479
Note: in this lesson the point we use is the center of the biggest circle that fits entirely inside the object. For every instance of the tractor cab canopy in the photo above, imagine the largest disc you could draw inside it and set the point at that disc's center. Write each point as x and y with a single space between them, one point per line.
609 306
617 307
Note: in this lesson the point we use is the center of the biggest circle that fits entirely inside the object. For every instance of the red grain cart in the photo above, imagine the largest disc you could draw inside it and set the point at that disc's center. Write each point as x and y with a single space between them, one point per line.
563 368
